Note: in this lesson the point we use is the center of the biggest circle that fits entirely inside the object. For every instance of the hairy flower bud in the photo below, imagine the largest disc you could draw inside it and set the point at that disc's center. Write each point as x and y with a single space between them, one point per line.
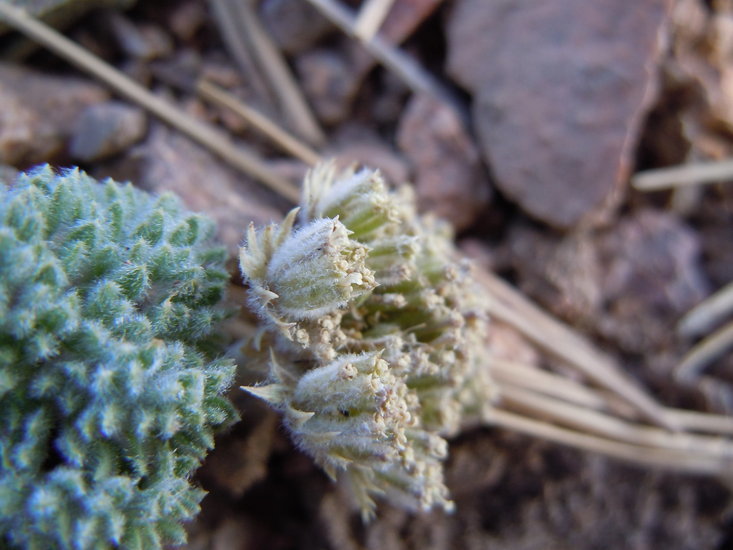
318 269
304 274
359 199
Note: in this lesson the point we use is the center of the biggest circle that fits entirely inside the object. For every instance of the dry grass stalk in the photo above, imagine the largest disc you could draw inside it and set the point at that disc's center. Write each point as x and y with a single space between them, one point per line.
370 18
708 313
653 457
287 142
535 379
604 425
237 46
510 307
591 419
402 65
205 134
702 422
547 405
705 352
272 64
545 382
678 176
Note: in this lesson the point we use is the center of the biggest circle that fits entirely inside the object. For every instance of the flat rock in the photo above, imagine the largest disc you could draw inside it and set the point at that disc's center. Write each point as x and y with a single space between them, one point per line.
137 40
35 119
105 129
651 275
448 176
171 162
560 89
7 174
187 18
354 144
562 272
629 283
329 82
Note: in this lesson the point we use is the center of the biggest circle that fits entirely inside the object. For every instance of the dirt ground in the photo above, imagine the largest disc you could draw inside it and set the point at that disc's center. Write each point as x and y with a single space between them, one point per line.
531 122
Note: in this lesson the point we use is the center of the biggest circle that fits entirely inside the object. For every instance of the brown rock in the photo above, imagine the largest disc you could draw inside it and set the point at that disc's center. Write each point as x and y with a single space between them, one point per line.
233 533
355 144
172 162
651 275
240 457
106 129
482 255
629 283
560 89
387 102
448 175
7 174
38 112
329 82
138 40
562 272
188 17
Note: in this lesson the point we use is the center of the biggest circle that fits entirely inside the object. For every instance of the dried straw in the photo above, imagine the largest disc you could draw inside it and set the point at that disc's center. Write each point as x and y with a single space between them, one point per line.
286 141
370 18
678 176
201 132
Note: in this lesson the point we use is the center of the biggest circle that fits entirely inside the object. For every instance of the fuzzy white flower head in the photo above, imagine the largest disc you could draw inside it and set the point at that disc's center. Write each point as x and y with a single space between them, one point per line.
372 335
360 199
304 274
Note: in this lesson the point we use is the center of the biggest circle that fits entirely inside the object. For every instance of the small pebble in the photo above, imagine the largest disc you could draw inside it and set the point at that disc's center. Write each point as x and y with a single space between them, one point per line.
106 129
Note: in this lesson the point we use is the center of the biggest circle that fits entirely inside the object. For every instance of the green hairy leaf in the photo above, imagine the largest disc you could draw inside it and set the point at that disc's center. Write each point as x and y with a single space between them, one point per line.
110 382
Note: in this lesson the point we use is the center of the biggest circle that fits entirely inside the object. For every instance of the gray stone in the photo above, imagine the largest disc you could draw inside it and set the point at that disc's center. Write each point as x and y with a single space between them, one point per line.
106 129
171 162
329 82
38 112
651 275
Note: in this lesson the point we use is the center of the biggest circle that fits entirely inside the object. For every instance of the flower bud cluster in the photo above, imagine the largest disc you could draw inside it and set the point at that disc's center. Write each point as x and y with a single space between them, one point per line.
372 335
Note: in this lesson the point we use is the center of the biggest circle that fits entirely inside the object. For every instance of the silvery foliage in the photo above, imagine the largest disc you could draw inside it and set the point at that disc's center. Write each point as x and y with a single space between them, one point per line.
110 385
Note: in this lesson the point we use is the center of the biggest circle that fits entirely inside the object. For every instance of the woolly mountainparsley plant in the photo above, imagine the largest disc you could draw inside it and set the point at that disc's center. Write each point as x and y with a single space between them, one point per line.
371 333
110 385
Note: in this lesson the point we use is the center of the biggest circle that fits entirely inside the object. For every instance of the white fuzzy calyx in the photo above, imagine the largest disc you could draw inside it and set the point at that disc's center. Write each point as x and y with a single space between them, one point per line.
306 273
